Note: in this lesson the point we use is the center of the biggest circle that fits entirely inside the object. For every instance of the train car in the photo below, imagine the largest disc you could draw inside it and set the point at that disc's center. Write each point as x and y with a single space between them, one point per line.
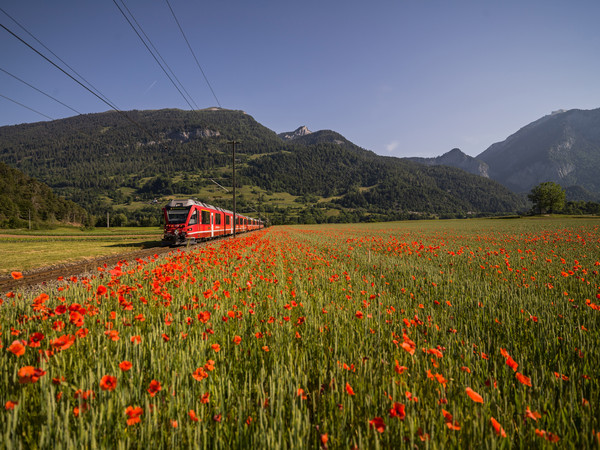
191 221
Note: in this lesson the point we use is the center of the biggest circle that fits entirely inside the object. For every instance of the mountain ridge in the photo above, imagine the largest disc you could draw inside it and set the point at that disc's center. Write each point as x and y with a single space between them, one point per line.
102 161
563 147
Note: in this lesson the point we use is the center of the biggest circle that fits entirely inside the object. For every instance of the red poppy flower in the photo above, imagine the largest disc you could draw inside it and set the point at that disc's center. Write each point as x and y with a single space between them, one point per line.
82 332
474 395
512 363
199 374
16 275
30 374
154 388
398 411
133 414
497 427
10 405
76 319
125 366
193 415
378 424
300 393
547 435
204 316
237 340
63 342
523 379
349 389
113 335
17 347
399 369
108 383
101 290
450 422
532 414
435 352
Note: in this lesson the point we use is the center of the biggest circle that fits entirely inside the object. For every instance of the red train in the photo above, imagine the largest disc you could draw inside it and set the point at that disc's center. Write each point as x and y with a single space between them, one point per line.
191 221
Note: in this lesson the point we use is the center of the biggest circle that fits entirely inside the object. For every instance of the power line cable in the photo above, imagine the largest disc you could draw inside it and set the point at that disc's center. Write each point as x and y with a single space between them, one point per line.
80 83
27 107
193 54
153 55
111 104
159 55
40 91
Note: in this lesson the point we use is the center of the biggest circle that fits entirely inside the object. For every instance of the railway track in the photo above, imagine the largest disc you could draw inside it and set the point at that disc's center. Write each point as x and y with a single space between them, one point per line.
40 278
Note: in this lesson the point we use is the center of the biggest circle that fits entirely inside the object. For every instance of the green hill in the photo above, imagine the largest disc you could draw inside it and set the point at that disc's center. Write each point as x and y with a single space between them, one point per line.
106 162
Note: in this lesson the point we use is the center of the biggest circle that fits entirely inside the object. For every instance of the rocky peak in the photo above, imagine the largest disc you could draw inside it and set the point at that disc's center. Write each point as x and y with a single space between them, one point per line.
298 132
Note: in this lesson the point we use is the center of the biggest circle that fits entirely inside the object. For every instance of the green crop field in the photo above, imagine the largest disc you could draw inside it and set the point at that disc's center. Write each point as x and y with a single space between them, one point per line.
24 250
429 334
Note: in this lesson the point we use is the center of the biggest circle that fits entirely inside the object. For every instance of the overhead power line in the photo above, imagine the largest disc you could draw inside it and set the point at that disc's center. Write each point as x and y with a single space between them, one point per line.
26 107
109 102
40 91
79 82
193 54
148 48
159 55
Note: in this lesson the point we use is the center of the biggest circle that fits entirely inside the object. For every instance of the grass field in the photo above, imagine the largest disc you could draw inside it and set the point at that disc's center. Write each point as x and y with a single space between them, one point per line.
438 334
24 250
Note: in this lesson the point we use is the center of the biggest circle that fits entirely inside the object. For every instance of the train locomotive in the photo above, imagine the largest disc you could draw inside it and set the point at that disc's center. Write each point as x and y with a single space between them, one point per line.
190 221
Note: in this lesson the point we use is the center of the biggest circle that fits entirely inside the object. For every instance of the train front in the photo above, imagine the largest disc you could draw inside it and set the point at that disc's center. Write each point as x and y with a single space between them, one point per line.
176 216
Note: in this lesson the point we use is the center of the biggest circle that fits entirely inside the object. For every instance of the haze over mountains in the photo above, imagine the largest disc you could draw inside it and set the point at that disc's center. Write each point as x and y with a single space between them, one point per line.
563 147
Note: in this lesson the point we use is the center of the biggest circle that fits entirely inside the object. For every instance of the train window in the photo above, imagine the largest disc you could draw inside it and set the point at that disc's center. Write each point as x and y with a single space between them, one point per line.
205 217
227 222
177 215
218 219
194 218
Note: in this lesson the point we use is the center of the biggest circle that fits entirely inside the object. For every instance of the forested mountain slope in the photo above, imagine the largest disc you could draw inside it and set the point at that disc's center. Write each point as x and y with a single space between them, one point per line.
106 161
25 201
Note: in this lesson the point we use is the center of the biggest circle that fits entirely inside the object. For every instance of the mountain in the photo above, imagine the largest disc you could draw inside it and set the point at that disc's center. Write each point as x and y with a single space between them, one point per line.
563 147
298 132
456 158
24 200
130 165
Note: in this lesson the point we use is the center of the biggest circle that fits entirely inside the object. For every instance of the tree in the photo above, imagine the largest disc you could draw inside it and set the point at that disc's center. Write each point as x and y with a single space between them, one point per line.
547 197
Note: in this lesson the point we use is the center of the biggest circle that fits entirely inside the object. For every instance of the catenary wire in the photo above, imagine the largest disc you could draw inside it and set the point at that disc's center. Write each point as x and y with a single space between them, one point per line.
95 89
40 91
159 55
79 82
153 55
193 54
26 107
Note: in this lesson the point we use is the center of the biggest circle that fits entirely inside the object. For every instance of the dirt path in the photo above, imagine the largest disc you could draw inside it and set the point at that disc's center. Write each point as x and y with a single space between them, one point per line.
41 277
71 236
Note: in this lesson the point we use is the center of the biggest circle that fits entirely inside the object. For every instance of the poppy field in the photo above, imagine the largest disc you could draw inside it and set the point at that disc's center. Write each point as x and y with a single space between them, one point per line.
434 334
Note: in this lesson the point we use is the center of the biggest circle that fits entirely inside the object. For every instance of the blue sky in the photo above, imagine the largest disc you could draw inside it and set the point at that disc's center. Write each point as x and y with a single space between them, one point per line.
401 78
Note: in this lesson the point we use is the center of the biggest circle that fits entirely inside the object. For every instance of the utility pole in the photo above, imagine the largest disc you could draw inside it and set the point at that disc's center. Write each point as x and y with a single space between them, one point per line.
233 166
